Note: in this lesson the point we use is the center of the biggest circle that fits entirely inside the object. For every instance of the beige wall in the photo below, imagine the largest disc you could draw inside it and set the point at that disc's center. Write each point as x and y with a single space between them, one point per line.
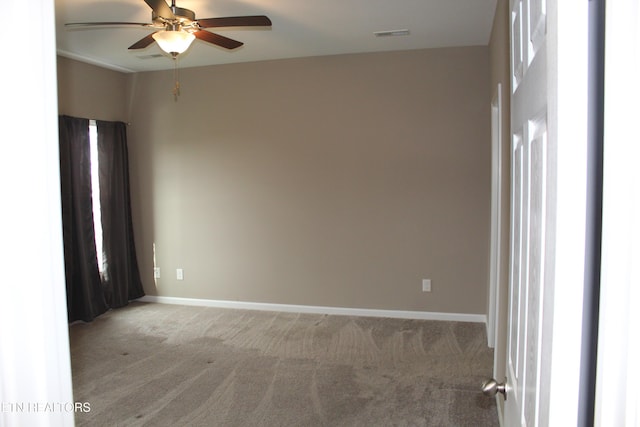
330 181
91 92
500 73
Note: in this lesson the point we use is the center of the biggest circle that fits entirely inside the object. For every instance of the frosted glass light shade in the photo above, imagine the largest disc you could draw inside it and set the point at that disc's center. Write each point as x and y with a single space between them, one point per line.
173 42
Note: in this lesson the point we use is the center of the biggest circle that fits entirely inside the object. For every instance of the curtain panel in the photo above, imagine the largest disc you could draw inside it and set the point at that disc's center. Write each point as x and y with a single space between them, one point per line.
121 277
85 296
90 293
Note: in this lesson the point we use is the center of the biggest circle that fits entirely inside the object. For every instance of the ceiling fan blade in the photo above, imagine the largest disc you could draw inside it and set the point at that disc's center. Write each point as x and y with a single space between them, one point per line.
217 39
113 24
161 8
143 42
235 21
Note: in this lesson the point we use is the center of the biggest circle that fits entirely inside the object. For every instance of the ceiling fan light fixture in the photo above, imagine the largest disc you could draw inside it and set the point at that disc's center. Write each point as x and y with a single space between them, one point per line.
173 42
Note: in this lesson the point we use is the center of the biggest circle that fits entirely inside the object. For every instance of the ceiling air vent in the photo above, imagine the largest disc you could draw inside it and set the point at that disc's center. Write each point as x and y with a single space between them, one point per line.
152 56
389 33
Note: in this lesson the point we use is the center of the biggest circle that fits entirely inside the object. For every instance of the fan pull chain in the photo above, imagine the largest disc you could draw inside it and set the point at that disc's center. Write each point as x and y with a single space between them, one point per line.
176 86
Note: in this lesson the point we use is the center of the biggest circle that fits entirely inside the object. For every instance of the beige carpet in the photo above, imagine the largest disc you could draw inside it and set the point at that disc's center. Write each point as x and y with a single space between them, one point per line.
168 365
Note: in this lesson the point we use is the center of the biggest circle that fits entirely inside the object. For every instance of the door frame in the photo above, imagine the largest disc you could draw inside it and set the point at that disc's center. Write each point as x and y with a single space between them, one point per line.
35 363
495 263
617 399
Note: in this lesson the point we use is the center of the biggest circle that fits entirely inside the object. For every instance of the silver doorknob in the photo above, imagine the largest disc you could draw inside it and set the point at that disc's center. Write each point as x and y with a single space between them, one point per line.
491 387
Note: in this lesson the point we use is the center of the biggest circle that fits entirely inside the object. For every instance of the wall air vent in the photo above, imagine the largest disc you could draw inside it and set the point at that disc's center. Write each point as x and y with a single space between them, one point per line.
389 33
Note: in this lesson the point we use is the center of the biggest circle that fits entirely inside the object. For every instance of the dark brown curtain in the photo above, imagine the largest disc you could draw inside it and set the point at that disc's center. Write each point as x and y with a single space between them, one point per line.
121 277
85 296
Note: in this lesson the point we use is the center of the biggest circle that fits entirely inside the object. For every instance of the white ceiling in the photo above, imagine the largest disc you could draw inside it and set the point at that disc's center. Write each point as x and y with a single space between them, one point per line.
300 28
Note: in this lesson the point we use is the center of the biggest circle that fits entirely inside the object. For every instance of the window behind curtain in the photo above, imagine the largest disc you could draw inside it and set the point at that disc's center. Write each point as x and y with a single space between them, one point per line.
95 193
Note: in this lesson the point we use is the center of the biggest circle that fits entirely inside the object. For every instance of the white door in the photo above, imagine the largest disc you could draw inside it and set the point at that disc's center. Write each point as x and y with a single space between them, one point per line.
548 179
529 183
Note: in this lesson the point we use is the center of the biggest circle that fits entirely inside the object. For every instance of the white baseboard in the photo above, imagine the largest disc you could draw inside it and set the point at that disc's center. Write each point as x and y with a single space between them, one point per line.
343 311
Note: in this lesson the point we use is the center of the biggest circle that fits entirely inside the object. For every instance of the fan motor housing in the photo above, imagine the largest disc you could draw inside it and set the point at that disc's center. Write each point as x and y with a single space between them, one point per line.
182 16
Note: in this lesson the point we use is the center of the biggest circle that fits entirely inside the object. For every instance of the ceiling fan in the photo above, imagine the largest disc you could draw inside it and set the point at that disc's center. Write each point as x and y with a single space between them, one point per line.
178 27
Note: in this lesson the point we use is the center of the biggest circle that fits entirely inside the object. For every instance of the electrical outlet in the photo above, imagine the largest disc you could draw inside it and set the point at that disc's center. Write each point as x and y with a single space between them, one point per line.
156 272
426 285
179 274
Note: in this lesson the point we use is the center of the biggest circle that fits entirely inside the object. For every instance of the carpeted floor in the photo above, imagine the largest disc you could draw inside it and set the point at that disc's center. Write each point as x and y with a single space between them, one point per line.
169 365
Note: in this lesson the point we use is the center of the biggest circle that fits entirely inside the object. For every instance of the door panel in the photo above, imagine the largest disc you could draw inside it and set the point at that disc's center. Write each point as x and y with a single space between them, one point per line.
537 26
516 44
518 256
537 230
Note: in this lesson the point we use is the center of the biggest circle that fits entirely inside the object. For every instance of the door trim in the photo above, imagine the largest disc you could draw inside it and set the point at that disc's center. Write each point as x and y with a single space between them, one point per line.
496 222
